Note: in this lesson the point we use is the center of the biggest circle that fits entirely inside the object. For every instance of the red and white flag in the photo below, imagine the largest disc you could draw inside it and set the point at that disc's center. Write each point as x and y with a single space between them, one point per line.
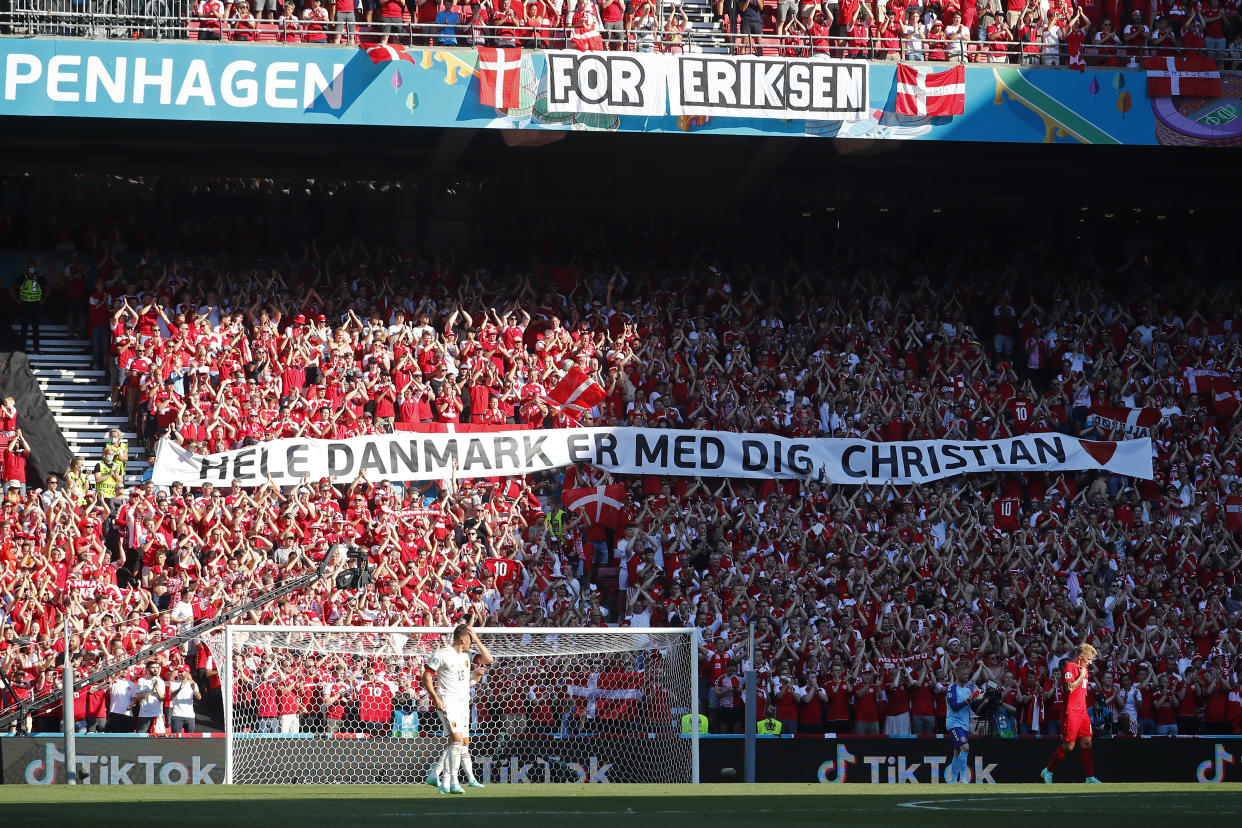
500 77
384 54
1233 514
1074 44
587 39
586 35
920 92
1202 380
607 695
1226 398
576 393
1182 76
1135 422
602 504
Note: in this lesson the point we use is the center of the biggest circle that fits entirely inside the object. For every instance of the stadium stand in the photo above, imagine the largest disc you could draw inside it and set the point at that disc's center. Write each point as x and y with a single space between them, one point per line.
864 597
1058 33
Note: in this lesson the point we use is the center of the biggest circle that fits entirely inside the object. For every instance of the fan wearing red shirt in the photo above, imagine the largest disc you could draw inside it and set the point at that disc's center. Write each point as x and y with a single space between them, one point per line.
375 704
866 704
1077 725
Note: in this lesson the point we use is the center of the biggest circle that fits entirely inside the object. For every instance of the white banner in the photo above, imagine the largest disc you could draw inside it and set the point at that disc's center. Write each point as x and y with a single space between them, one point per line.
763 87
632 83
420 456
616 83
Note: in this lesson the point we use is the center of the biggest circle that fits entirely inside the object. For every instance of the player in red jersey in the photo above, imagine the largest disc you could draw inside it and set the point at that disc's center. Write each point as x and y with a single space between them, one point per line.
1077 725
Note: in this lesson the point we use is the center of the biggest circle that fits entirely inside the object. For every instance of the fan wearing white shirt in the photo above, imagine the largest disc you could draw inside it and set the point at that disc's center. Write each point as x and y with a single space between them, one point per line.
150 697
184 692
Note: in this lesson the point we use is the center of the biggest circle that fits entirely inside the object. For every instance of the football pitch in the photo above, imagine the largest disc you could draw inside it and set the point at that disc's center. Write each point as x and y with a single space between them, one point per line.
635 806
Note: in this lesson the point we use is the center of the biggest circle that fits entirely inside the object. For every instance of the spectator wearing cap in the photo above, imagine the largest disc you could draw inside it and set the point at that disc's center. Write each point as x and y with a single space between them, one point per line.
13 464
866 703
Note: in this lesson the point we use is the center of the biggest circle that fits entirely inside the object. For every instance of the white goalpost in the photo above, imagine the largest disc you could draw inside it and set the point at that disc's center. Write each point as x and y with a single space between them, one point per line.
322 705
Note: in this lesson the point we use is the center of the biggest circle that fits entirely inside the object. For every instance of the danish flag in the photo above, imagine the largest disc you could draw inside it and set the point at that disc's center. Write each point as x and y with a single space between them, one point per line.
384 54
1074 42
1233 514
500 77
1202 380
920 92
1182 76
608 695
1135 422
576 393
602 504
1226 398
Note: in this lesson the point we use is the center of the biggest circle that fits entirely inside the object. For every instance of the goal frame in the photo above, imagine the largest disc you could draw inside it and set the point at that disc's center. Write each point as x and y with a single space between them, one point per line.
226 682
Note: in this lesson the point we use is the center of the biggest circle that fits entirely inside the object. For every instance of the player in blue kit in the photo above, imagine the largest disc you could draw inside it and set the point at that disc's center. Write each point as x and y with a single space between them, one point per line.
957 721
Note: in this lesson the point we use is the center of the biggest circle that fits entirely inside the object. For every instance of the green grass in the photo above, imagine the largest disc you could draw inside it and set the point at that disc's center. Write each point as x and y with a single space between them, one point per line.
634 806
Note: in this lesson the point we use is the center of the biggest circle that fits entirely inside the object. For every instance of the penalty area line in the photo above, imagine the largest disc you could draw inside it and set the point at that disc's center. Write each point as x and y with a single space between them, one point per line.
942 802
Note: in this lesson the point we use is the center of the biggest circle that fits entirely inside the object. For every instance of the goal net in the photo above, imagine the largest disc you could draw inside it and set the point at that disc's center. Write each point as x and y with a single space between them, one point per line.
346 705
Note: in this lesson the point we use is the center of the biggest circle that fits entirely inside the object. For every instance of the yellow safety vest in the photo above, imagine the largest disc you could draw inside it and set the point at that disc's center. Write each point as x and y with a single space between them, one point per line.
768 727
107 486
555 523
687 724
31 290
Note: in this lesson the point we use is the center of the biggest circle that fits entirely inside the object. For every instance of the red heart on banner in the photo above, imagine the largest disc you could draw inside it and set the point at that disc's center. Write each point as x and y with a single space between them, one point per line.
1101 452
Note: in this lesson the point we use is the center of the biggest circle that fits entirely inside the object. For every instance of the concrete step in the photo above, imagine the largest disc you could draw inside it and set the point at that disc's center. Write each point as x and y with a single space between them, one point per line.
55 359
66 404
91 452
101 437
59 337
54 347
104 421
84 376
76 391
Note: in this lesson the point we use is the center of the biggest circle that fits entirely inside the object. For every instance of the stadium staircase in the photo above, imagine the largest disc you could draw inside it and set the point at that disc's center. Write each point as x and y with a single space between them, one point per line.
707 32
703 29
81 399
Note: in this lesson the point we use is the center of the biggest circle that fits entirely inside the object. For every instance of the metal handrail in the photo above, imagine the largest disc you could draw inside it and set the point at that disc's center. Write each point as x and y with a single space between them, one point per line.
79 18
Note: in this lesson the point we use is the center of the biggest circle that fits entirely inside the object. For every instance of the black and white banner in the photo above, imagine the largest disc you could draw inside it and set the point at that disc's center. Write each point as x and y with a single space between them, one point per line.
628 83
767 87
617 83
420 456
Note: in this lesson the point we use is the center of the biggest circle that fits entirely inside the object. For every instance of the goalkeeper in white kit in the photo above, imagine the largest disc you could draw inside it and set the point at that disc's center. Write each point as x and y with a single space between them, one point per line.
447 678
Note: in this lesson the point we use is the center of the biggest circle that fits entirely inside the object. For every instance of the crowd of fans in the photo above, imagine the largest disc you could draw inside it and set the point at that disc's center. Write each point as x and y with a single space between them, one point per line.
1047 32
864 598
1052 33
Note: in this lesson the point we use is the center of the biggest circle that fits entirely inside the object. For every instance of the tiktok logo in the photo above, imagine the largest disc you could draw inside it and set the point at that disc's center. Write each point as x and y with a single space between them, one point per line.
1216 765
841 765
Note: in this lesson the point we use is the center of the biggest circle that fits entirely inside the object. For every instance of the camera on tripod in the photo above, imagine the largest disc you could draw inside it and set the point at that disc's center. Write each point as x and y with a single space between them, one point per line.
989 702
360 575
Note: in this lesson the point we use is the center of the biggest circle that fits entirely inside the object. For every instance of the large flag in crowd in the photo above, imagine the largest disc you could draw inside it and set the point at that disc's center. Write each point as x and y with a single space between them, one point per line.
576 393
602 504
1134 422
